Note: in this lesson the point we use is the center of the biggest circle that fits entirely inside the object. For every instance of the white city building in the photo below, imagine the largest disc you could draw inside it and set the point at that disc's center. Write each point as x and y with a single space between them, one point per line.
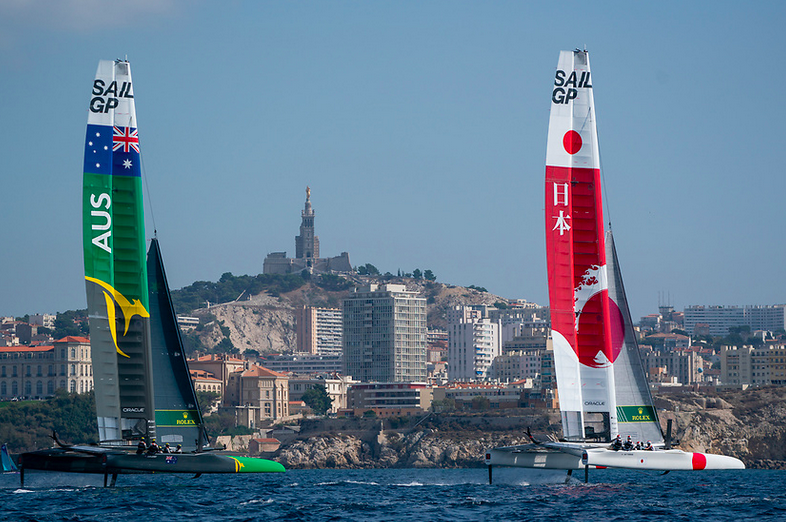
473 343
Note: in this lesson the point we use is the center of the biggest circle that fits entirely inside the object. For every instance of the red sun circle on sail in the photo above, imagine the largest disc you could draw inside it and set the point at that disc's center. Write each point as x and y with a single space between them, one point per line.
572 142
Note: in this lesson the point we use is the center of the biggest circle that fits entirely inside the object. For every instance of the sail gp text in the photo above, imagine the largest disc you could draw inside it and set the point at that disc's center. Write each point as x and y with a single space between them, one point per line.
105 97
567 89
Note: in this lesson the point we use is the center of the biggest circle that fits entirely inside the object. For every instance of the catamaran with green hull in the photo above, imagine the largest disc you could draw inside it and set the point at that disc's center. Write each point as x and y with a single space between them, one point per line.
142 385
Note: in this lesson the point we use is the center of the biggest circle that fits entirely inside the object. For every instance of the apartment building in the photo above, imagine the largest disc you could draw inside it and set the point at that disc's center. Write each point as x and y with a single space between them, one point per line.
319 330
385 334
473 343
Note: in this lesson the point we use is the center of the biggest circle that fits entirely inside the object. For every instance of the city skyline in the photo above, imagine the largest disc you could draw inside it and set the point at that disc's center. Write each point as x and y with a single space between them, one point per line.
421 129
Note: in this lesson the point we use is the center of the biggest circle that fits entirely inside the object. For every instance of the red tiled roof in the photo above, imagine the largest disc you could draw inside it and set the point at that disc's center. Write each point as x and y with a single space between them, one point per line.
260 371
74 339
8 349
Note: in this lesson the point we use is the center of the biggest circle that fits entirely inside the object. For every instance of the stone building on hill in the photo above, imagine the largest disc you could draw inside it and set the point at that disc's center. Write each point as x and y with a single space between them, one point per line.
306 251
258 396
35 372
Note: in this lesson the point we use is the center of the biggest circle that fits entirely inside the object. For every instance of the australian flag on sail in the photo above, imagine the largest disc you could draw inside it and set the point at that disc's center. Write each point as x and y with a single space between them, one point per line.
112 151
125 139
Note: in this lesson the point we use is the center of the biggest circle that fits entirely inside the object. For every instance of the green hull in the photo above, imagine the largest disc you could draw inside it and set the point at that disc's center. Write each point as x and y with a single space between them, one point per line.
120 462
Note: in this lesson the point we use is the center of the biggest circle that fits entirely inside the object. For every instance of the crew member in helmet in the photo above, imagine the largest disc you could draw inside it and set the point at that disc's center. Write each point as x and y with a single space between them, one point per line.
628 444
648 446
141 447
617 444
153 449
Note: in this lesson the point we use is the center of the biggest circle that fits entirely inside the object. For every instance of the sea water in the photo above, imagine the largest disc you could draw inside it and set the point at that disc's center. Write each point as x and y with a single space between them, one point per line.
451 495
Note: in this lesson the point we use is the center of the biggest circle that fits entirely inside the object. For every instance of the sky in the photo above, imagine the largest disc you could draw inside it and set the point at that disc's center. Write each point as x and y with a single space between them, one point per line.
420 128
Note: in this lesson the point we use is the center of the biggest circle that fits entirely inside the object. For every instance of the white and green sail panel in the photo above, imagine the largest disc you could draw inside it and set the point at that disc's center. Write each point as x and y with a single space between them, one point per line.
114 254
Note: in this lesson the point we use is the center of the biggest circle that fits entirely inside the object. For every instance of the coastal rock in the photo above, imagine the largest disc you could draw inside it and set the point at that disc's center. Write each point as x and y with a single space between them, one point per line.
749 425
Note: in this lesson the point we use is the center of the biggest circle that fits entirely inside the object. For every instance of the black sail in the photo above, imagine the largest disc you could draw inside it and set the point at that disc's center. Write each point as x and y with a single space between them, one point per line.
178 419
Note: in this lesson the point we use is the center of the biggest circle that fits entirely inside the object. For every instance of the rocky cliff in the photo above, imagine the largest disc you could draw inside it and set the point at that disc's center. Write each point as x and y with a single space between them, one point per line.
749 425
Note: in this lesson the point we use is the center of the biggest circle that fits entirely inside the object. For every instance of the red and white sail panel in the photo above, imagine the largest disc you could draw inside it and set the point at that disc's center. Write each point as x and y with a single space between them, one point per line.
581 314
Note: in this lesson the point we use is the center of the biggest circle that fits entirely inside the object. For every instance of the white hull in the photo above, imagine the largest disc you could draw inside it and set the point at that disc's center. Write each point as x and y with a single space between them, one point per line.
577 456
532 456
668 460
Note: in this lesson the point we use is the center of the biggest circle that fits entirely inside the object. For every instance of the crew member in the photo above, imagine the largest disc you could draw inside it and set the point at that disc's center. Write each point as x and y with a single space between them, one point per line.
166 449
141 447
628 444
153 449
648 446
617 444
179 449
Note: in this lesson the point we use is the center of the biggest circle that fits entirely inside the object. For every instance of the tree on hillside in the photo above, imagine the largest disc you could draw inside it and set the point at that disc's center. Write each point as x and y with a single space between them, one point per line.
318 399
368 269
417 274
480 403
333 283
428 275
27 425
206 399
68 324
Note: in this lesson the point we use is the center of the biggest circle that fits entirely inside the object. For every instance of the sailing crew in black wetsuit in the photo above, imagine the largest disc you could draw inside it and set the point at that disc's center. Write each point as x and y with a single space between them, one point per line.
141 447
617 444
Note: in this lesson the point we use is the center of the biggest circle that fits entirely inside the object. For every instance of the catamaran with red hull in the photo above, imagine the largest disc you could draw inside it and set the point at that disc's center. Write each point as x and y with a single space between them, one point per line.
601 383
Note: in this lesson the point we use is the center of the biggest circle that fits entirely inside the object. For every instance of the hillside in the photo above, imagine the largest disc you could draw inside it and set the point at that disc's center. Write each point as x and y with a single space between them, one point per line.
265 321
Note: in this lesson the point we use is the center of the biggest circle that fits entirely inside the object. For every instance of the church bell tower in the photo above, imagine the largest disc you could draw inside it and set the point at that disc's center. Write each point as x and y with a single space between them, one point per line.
307 244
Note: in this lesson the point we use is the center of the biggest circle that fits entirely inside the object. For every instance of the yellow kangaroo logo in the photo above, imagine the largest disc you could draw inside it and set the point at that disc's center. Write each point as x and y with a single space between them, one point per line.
238 465
129 309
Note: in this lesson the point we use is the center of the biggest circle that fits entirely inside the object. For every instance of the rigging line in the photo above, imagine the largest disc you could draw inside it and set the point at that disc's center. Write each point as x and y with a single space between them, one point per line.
149 198
606 199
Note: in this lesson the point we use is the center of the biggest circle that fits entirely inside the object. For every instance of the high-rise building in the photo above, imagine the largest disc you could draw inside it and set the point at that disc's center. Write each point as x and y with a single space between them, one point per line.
473 343
319 330
718 319
766 317
385 334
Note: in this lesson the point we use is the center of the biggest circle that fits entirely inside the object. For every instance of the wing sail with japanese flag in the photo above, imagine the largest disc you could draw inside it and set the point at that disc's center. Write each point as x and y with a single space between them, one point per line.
582 315
601 384
114 255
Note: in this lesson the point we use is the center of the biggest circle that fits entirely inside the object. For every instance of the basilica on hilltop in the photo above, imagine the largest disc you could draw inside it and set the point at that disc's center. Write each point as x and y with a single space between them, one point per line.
306 251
